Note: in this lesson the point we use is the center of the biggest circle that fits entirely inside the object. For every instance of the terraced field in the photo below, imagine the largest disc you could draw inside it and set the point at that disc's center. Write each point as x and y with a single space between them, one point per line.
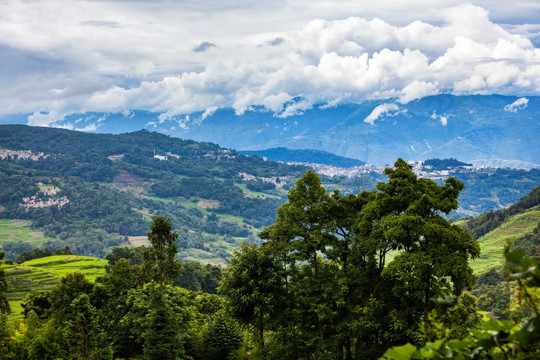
44 273
492 244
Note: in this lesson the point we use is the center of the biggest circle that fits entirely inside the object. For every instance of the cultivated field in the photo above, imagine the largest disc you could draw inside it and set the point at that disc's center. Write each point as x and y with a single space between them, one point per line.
20 230
44 273
492 244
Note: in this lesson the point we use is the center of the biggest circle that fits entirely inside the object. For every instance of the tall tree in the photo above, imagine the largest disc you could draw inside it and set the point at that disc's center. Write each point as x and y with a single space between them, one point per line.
83 334
252 285
159 259
433 259
159 325
340 293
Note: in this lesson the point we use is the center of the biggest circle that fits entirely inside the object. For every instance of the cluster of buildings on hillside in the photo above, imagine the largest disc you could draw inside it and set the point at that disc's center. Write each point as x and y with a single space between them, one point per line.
222 153
21 155
418 168
35 202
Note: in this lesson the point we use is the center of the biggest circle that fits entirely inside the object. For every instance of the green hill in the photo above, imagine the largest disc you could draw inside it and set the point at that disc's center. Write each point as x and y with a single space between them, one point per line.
92 192
485 223
520 224
44 273
513 228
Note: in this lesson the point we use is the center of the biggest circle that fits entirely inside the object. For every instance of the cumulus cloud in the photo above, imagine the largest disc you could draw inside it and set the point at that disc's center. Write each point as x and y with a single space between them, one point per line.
442 118
141 56
381 110
519 104
89 127
208 112
44 119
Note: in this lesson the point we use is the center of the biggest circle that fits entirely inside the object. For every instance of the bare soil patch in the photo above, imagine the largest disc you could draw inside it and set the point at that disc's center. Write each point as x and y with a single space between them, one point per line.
36 235
135 189
208 204
20 222
138 241
142 212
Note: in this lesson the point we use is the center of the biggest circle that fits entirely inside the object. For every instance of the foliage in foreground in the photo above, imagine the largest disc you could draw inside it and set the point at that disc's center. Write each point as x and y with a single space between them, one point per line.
493 339
323 284
131 312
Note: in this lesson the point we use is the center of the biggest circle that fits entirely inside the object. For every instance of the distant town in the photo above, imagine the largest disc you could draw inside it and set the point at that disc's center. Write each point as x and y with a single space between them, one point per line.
21 155
418 167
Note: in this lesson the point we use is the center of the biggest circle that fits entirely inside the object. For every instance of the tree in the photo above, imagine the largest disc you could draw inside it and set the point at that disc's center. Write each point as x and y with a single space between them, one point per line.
4 304
462 316
252 286
159 259
38 302
222 336
159 325
83 334
301 232
62 295
329 253
135 256
110 296
433 262
493 339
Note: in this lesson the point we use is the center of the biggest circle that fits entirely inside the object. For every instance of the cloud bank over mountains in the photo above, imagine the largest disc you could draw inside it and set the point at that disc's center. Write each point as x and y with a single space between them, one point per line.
177 58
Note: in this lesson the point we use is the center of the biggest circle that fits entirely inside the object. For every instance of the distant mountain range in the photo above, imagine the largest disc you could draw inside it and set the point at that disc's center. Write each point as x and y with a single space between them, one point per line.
493 130
305 156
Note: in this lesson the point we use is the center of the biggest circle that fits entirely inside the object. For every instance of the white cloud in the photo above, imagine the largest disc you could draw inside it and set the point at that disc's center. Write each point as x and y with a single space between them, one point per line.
381 110
44 119
89 127
442 118
208 112
519 104
118 56
418 89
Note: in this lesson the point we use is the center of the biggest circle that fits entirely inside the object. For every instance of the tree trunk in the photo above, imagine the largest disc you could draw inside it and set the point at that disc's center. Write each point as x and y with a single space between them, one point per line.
261 335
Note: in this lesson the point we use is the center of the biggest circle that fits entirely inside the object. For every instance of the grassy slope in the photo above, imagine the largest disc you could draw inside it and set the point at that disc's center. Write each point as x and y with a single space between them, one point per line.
20 230
44 273
492 243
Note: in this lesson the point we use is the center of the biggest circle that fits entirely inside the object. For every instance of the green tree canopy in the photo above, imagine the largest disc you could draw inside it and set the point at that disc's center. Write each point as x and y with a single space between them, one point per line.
159 259
338 291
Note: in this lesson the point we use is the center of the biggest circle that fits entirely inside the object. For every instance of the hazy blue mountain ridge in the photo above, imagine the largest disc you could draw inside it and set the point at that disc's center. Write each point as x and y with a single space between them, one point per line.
305 156
478 129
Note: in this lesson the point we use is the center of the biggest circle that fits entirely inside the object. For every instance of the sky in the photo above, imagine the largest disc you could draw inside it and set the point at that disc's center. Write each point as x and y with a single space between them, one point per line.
60 57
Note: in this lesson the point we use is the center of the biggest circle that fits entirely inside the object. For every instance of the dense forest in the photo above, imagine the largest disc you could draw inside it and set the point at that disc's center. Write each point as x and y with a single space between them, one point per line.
444 164
380 273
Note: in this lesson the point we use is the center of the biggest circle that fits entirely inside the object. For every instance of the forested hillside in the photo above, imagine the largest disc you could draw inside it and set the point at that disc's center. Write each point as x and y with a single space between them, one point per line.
484 223
93 192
